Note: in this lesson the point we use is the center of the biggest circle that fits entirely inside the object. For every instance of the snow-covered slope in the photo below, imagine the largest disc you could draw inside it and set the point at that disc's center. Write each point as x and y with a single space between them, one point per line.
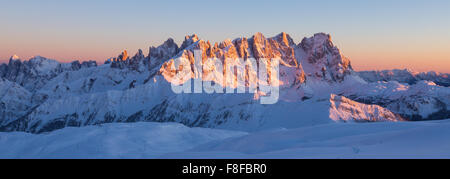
171 140
49 95
343 109
15 101
336 141
421 101
139 140
34 73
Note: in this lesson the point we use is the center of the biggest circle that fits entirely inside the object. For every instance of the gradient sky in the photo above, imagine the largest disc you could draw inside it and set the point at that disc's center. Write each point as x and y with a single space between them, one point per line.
374 34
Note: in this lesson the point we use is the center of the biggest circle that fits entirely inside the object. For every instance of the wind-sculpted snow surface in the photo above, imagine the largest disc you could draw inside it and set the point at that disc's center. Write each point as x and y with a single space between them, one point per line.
176 141
42 95
407 140
139 140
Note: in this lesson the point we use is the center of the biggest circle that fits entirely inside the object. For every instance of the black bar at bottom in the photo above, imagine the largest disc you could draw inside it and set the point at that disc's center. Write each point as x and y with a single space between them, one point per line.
208 168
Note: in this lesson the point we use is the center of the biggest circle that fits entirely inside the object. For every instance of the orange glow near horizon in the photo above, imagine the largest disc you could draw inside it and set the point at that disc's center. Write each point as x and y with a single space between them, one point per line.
361 60
365 54
374 35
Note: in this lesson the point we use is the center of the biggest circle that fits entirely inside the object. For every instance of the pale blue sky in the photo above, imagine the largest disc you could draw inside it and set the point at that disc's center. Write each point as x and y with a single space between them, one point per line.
373 33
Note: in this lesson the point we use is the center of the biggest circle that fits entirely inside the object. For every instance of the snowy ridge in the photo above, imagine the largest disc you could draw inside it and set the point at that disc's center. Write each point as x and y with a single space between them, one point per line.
344 109
34 73
406 76
14 101
421 101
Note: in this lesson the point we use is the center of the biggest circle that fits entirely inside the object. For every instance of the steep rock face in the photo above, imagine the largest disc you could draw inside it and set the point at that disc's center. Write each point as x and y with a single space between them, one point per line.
139 62
322 59
213 69
261 47
258 47
280 46
242 48
284 48
165 51
344 109
188 41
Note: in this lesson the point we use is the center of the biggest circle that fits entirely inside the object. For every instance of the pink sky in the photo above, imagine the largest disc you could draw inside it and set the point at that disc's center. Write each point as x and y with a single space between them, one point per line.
381 34
395 54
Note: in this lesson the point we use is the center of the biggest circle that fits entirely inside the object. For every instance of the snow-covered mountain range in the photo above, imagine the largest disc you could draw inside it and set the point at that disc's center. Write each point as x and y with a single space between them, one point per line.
317 86
406 76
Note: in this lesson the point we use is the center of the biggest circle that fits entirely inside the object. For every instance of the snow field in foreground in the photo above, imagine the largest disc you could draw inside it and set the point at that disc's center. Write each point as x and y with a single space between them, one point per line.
171 140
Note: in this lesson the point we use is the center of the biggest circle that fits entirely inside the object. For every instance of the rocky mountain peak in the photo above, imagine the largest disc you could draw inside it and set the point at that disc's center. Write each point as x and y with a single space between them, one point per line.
242 47
323 59
317 41
33 74
285 39
13 61
189 40
139 55
258 37
165 51
14 57
261 46
192 37
225 44
121 61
